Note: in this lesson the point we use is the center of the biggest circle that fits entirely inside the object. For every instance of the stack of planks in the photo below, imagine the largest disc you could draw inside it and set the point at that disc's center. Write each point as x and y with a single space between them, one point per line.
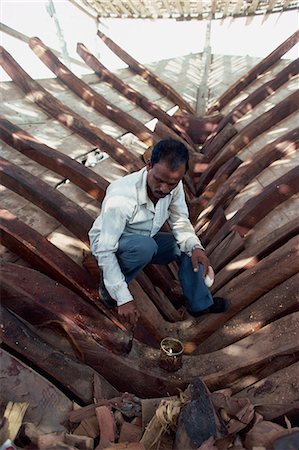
242 192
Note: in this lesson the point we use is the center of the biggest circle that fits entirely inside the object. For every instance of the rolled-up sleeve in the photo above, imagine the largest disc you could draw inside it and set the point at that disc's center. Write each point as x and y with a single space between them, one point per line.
104 237
180 224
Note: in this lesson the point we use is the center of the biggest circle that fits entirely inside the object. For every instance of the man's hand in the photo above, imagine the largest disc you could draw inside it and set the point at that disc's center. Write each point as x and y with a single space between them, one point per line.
128 313
199 257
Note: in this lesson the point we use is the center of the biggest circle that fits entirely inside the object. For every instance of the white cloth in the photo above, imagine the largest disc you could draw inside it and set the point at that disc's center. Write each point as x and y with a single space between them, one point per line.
127 208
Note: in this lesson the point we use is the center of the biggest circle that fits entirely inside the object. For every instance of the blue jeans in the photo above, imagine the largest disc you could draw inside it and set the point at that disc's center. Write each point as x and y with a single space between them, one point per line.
136 251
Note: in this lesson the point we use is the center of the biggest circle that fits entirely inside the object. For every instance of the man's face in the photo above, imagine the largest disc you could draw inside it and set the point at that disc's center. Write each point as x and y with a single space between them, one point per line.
161 180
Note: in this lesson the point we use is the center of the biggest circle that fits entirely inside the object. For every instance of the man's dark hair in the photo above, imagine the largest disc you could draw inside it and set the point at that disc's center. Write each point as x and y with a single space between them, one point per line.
173 153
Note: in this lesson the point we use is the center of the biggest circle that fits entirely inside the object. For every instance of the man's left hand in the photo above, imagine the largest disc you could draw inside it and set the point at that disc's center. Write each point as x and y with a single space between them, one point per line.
199 257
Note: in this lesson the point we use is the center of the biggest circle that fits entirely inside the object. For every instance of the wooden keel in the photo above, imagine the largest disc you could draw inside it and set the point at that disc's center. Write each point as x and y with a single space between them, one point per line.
89 95
67 212
82 176
145 73
88 131
253 74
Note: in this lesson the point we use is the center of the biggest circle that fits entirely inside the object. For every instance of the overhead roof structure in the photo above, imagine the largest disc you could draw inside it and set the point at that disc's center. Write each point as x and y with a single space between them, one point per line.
182 9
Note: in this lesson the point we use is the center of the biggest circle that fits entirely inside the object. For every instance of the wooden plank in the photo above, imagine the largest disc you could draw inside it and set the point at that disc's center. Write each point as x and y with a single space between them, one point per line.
89 95
252 75
69 168
65 115
145 73
276 303
276 395
231 246
48 406
67 212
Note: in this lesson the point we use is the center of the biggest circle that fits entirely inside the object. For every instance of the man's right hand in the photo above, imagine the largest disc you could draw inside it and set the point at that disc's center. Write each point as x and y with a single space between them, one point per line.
128 313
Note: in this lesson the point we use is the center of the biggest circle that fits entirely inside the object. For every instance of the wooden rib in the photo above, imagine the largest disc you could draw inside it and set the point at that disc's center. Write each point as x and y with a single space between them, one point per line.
247 287
43 302
254 253
276 395
139 371
41 254
82 176
259 95
36 93
245 173
276 303
89 95
252 75
76 377
258 126
173 127
67 212
221 138
230 247
257 207
223 173
145 73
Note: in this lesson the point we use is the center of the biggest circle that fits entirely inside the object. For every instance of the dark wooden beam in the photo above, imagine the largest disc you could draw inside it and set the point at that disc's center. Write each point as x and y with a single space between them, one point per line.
69 168
252 75
145 73
67 212
88 131
90 96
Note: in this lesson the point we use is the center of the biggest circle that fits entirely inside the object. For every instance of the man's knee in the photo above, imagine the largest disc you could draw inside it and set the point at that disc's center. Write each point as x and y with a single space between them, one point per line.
138 249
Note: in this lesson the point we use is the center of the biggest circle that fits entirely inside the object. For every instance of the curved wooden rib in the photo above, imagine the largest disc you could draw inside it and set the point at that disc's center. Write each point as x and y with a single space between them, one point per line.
140 372
43 302
247 287
89 95
276 303
252 254
249 169
258 126
257 207
259 95
76 377
30 245
172 127
211 148
67 212
252 75
145 73
82 176
88 131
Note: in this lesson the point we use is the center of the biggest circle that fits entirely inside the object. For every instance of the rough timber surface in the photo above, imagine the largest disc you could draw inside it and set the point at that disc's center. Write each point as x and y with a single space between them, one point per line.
233 351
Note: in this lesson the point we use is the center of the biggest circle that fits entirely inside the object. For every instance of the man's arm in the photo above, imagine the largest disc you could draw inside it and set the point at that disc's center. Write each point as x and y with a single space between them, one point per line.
104 238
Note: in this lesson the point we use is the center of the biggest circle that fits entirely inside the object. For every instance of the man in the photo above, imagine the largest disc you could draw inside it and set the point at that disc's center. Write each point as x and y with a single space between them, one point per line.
126 236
